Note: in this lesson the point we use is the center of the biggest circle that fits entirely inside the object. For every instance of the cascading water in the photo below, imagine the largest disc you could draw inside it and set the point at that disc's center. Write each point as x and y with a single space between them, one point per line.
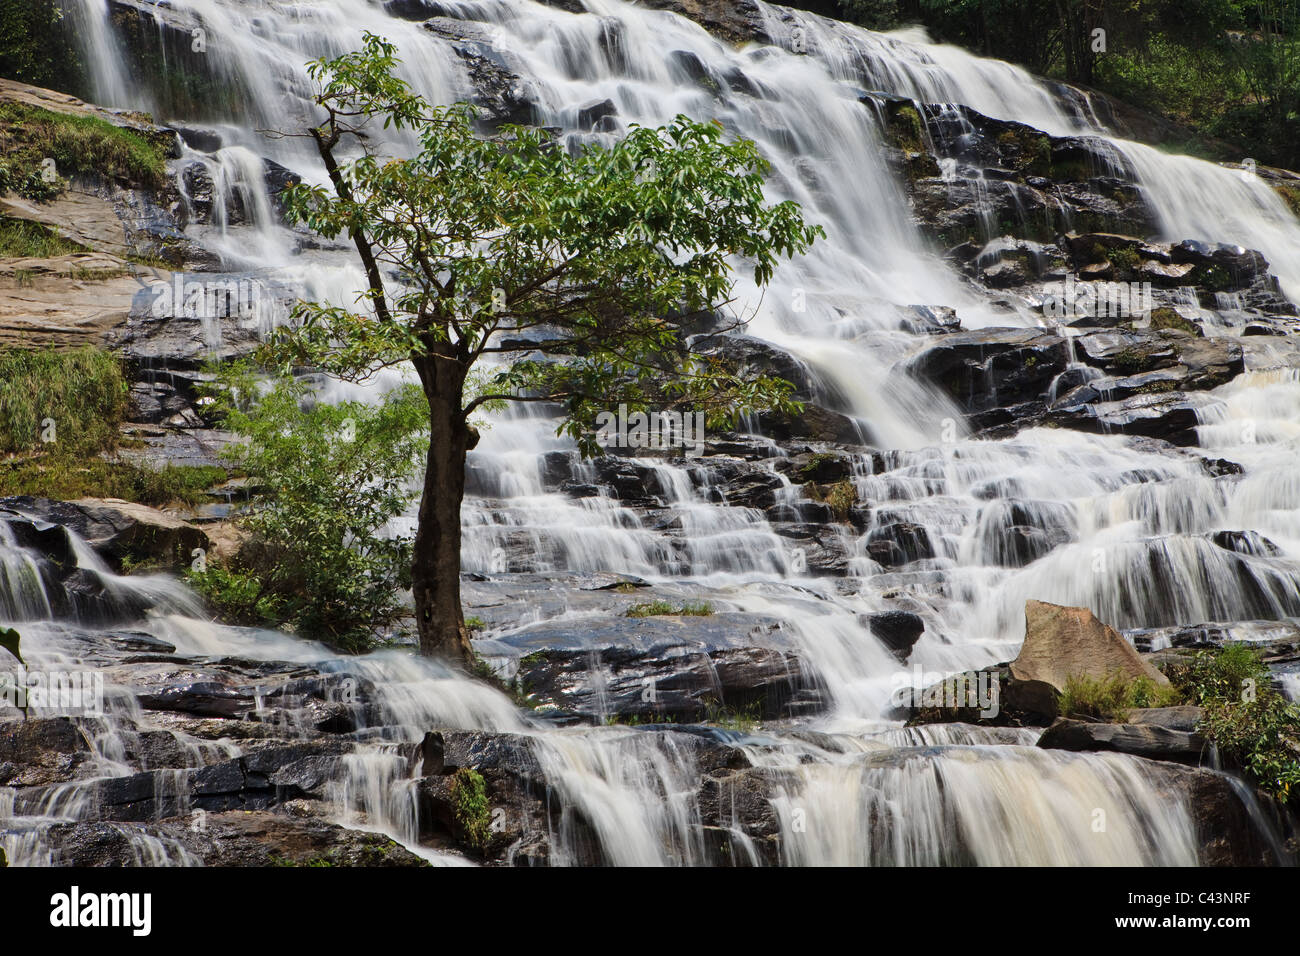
1129 527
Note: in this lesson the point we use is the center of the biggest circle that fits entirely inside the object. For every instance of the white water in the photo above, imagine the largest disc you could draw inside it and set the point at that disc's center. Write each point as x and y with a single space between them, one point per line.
1134 524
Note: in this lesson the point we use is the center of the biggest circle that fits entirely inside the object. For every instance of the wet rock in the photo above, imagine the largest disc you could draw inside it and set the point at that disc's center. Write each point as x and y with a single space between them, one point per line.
989 368
41 750
897 630
661 666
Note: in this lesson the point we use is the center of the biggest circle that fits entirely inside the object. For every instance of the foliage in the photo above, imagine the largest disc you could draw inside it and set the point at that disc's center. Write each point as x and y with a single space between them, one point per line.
470 807
1254 726
330 479
1112 697
566 263
599 243
36 45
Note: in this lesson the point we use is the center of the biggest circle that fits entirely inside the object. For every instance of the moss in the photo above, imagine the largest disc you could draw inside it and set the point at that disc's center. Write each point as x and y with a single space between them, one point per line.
1131 360
905 128
1290 195
470 807
663 608
841 497
1167 318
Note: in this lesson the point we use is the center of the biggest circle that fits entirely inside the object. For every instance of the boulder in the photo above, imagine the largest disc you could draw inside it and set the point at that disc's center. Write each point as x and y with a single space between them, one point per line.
119 529
1064 642
1161 733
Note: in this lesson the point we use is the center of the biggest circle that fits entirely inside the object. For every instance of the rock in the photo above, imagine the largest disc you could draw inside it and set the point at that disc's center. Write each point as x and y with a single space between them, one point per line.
664 666
1064 642
40 751
236 838
990 368
1152 737
120 529
897 630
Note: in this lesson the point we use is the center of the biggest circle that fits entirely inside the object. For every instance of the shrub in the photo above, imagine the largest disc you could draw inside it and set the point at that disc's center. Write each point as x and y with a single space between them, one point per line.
1254 727
330 479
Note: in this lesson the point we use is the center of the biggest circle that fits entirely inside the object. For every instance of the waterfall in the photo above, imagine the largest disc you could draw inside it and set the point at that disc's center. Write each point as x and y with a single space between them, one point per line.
1131 527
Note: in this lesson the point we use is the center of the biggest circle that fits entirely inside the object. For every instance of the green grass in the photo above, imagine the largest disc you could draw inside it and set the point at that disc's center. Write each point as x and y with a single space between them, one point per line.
65 478
20 239
663 608
1112 698
78 144
82 392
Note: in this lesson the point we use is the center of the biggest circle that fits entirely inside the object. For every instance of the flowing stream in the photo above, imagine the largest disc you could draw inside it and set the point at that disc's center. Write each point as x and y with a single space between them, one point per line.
1134 524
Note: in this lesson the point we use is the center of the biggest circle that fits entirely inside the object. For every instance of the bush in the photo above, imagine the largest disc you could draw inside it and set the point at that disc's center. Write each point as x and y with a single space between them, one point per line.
469 804
330 478
1254 727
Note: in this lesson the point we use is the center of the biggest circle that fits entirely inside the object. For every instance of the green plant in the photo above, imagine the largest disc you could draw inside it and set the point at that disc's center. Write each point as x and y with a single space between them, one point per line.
1254 727
475 623
470 807
663 608
841 497
66 403
744 719
329 479
81 144
1111 698
1167 318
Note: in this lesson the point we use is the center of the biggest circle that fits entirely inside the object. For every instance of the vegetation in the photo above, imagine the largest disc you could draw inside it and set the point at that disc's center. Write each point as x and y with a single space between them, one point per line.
469 805
1254 726
1227 69
331 478
87 145
62 402
66 477
600 245
37 47
663 608
1111 698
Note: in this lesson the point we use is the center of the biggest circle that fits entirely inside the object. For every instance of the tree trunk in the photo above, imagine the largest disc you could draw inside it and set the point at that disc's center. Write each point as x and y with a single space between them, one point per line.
435 574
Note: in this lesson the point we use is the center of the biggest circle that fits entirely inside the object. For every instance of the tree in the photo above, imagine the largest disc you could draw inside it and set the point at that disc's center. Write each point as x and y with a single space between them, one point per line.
483 249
